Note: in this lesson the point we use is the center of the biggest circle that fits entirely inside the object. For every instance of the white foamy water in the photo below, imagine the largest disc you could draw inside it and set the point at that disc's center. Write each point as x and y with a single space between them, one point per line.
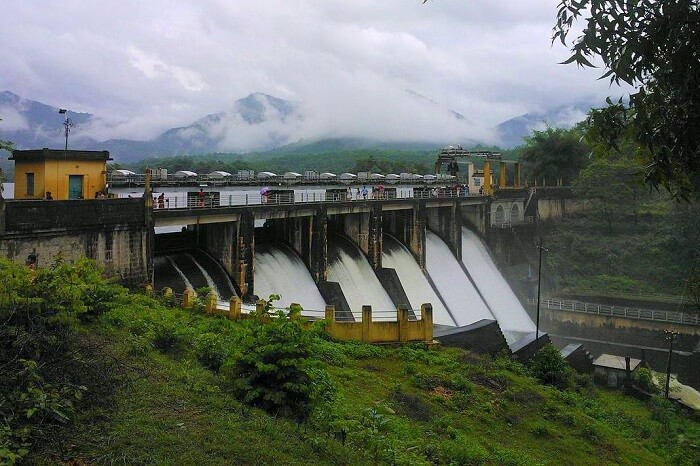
279 271
501 299
453 284
207 277
358 281
414 282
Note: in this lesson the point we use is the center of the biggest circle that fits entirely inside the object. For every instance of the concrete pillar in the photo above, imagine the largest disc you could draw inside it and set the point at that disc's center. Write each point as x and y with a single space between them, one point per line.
188 298
211 303
330 314
375 237
2 215
367 323
402 319
167 292
245 253
517 175
502 180
447 223
417 232
426 312
234 308
487 178
147 192
318 252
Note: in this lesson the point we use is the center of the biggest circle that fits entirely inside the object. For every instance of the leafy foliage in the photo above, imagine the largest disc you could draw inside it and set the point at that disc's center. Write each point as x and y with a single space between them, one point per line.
555 154
655 47
549 367
274 369
40 378
614 189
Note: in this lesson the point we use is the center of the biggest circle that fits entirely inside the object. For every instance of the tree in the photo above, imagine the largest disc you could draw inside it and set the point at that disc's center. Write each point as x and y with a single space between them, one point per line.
614 189
555 153
654 46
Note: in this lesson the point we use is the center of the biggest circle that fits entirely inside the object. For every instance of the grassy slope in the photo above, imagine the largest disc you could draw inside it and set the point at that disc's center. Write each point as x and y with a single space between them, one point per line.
449 407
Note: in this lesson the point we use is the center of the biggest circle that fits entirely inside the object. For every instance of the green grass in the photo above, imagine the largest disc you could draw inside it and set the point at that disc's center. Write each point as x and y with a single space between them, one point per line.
405 405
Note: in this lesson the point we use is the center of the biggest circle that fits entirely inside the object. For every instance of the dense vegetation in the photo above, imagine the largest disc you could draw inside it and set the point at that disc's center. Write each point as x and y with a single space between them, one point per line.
322 160
159 384
653 47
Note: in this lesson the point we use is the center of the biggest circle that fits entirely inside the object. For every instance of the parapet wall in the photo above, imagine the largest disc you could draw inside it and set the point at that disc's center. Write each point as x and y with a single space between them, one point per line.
113 232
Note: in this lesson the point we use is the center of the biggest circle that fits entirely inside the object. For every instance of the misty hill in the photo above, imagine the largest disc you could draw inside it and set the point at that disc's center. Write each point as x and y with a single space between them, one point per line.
30 124
256 123
512 132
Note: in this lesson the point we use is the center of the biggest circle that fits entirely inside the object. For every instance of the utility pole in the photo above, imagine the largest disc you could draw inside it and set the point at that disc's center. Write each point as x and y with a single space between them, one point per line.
670 336
67 123
539 288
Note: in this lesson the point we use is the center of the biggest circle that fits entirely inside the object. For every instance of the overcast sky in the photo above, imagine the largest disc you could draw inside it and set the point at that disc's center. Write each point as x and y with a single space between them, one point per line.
145 66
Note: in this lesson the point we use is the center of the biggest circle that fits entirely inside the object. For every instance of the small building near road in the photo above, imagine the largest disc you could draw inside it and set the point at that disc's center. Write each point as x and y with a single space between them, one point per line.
66 174
614 371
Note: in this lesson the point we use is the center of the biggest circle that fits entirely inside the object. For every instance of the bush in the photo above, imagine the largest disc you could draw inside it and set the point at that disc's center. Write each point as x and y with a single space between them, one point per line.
210 351
645 379
42 365
274 370
549 367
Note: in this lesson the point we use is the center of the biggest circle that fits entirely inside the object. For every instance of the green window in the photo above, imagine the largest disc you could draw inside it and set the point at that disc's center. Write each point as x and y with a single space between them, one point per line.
30 184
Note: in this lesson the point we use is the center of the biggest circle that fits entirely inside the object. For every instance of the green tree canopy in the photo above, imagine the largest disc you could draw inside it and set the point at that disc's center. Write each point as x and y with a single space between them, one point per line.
654 46
555 153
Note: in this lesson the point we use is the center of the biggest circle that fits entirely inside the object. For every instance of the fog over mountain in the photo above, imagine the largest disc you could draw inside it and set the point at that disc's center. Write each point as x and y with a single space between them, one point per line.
260 122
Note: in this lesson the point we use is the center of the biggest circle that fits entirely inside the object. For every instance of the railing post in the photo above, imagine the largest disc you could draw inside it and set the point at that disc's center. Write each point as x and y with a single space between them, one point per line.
402 319
234 308
211 303
188 298
426 313
366 323
294 311
167 292
330 314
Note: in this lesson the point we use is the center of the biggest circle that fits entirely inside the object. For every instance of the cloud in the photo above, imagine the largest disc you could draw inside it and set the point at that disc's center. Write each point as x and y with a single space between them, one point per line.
12 120
144 67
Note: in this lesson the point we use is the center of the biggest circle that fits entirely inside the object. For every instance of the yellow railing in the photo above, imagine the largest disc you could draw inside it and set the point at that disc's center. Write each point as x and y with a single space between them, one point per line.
402 330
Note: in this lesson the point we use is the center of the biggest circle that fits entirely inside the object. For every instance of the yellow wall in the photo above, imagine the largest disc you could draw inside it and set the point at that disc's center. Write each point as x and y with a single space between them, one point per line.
52 175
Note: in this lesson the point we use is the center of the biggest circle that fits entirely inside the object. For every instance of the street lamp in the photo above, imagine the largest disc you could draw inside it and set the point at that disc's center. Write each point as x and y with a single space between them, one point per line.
671 337
67 123
539 288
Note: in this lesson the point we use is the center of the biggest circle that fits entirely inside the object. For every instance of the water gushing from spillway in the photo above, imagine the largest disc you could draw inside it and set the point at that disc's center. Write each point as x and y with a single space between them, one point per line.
502 301
278 270
194 270
414 282
453 284
350 268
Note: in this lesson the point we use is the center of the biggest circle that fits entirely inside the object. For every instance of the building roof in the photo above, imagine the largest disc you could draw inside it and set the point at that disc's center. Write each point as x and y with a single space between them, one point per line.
612 361
184 174
36 155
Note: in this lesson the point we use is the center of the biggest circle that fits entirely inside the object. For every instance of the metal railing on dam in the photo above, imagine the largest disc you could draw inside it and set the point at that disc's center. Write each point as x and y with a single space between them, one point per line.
213 200
618 311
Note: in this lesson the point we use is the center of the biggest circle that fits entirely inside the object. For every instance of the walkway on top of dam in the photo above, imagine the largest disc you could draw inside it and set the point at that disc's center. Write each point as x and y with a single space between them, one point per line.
216 208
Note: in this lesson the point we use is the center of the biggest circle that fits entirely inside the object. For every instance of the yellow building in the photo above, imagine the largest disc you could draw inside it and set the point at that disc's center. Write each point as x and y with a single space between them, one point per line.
71 174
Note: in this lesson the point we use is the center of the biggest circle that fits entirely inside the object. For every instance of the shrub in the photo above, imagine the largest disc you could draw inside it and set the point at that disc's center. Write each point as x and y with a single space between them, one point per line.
210 351
645 379
273 371
167 337
549 367
42 365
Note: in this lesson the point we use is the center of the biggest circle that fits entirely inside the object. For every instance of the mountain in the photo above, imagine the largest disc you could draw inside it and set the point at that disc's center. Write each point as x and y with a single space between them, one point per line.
30 124
511 133
256 122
